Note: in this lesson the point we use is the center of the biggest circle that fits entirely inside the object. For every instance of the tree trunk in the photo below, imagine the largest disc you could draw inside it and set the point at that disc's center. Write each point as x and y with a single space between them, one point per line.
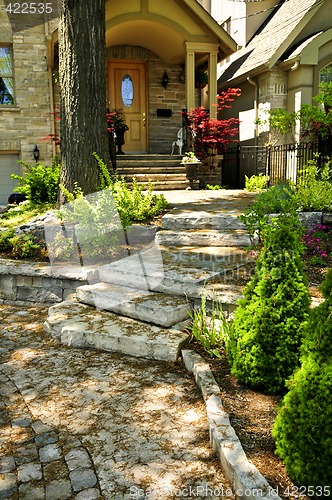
82 75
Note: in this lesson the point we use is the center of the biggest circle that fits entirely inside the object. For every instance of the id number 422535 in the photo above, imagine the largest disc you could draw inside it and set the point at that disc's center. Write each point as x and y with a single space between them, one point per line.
29 8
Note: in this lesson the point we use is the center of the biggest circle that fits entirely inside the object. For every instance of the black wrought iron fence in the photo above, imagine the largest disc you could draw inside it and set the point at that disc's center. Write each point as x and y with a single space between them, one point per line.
280 163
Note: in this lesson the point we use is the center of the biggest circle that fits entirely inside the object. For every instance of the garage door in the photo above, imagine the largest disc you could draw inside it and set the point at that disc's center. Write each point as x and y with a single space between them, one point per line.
8 165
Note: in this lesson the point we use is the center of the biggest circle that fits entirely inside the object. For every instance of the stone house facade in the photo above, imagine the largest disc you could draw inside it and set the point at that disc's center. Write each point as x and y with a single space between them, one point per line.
146 40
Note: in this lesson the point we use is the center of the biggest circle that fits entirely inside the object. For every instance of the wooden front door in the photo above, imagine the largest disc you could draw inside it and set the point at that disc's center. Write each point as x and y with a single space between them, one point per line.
127 91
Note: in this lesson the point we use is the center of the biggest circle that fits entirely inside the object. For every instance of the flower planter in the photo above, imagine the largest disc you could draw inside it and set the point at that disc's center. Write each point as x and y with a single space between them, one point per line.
191 173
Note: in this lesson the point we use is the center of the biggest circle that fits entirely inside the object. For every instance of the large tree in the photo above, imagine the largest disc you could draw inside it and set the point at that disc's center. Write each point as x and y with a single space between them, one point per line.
82 77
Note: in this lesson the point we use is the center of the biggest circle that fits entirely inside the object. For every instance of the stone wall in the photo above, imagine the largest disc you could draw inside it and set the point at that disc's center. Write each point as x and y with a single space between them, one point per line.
29 283
24 124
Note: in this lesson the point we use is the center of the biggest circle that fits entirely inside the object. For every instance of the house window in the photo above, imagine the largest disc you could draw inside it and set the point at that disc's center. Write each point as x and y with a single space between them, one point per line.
127 91
6 76
226 25
325 74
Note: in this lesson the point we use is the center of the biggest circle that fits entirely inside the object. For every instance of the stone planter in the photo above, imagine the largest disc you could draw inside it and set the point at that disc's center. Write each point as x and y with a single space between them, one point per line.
191 173
120 140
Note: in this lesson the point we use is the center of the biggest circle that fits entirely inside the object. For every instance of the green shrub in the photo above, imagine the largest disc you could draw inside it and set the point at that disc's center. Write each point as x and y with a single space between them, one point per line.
40 183
256 182
61 248
266 333
24 245
302 429
5 237
277 199
314 188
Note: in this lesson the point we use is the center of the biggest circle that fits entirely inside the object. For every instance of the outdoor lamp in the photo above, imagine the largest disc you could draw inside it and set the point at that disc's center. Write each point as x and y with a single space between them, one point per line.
36 153
165 80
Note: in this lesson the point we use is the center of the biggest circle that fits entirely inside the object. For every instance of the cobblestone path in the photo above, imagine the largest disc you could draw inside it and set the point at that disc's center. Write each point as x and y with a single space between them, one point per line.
77 424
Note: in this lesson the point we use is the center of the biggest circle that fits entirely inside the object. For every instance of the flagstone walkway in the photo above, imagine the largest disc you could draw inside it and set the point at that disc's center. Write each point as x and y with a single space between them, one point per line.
89 425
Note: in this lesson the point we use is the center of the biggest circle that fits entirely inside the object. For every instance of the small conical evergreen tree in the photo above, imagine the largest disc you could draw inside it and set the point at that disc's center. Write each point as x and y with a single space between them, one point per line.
303 427
266 333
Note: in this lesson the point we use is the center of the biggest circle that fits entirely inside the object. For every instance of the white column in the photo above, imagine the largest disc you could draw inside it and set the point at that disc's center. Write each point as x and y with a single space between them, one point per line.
190 79
213 61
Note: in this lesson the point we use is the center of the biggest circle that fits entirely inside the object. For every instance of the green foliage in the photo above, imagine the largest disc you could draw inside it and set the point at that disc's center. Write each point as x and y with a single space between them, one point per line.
61 248
266 333
314 189
256 182
210 330
136 204
5 236
24 245
216 187
275 200
40 183
302 429
96 221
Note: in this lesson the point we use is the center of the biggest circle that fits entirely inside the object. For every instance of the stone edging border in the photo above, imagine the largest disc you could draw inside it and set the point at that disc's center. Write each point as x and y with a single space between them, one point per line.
247 482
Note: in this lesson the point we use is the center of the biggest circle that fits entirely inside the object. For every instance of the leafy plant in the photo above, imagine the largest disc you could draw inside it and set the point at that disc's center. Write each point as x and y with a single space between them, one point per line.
216 187
256 182
24 245
277 199
5 237
61 248
209 330
266 333
40 183
301 429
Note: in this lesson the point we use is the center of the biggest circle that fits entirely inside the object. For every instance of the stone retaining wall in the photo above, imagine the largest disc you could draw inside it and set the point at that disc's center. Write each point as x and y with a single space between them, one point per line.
38 283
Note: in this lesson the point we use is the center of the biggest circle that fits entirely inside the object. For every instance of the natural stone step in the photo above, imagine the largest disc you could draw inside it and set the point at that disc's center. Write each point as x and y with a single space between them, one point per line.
179 221
146 177
169 185
156 308
158 270
212 237
128 169
80 325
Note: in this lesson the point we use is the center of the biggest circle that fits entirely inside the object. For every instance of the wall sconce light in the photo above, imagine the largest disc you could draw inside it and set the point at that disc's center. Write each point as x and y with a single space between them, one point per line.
36 153
165 80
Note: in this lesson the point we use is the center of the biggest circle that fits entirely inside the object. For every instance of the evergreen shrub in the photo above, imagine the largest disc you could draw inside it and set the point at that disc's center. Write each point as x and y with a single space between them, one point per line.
266 333
303 427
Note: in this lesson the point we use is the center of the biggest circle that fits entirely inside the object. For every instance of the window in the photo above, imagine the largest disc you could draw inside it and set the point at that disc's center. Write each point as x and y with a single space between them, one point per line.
6 76
325 74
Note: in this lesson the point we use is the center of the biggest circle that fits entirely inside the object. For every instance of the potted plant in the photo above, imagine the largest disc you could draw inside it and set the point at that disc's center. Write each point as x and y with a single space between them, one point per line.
191 163
116 122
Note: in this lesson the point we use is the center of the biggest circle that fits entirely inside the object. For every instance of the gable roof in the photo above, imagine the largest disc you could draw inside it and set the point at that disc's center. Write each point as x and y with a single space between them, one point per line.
268 45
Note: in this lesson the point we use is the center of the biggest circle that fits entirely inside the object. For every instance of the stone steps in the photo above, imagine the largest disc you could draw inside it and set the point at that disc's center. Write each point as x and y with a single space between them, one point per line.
183 221
82 326
164 171
200 237
158 270
156 308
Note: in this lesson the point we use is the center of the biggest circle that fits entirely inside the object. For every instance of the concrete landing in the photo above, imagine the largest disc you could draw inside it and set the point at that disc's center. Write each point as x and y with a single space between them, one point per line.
155 308
80 325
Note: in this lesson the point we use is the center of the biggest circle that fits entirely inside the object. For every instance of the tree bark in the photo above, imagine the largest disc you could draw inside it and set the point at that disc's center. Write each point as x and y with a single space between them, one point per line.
82 75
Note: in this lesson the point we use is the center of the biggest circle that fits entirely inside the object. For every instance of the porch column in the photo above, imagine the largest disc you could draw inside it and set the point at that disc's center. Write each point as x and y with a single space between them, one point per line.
190 79
213 61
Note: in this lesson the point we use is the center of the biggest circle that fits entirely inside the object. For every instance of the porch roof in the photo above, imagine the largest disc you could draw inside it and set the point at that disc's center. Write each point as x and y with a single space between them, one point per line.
164 27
